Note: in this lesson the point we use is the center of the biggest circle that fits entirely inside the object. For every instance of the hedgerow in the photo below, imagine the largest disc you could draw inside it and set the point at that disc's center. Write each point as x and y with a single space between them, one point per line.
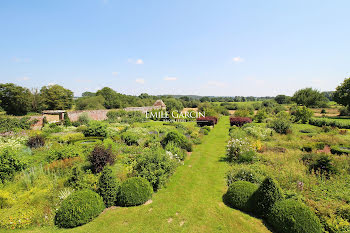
329 122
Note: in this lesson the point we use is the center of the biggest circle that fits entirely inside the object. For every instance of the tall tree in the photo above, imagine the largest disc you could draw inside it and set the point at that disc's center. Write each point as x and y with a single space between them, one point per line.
282 99
111 97
15 100
56 97
342 94
309 97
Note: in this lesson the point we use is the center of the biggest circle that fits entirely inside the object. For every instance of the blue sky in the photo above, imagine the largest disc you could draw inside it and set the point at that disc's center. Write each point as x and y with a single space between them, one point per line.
223 47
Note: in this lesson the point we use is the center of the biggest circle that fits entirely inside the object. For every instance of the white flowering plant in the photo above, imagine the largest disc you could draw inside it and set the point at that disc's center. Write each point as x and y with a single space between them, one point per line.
236 147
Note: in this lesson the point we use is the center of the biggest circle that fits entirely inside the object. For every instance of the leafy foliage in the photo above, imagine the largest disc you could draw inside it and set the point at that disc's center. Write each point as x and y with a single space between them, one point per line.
155 166
135 191
239 121
177 138
302 114
9 164
281 123
96 129
342 94
15 100
293 216
309 98
79 208
90 103
56 97
100 157
239 195
66 120
36 141
8 124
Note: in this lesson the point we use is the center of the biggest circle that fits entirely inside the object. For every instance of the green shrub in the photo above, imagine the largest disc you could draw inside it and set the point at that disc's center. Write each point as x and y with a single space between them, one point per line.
307 148
66 120
108 187
239 195
206 127
36 141
302 114
205 132
281 123
15 124
79 208
247 157
344 212
239 150
71 137
339 150
9 164
96 129
156 166
293 216
135 191
261 115
250 174
177 138
79 180
63 151
130 138
323 165
265 197
176 150
100 157
84 119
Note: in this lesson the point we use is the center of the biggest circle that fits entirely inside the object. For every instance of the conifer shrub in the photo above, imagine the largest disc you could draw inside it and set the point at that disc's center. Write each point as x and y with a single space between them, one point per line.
134 191
293 216
66 120
265 196
108 187
239 195
79 208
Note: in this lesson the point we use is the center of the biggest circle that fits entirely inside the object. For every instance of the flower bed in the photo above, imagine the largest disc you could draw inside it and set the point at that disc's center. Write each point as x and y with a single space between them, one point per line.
239 121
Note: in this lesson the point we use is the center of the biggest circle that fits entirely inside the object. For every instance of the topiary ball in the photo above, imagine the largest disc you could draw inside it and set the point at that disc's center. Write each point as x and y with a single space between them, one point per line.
79 208
265 196
135 191
293 216
239 195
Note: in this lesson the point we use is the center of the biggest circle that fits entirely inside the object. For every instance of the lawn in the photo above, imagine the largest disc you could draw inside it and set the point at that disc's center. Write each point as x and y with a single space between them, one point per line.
191 202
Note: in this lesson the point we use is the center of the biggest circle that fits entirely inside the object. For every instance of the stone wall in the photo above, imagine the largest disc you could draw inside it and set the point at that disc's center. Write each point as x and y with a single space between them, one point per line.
98 115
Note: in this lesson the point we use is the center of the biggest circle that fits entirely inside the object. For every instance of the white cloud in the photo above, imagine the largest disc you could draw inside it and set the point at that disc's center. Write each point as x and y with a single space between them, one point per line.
137 61
140 80
237 59
170 78
115 73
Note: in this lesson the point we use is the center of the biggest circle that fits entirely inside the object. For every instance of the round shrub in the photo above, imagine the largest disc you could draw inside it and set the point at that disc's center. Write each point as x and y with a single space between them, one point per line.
293 216
135 191
79 208
239 195
178 139
265 196
96 129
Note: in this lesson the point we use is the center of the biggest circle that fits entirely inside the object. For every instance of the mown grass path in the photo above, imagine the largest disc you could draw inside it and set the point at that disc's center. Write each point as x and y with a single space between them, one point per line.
191 202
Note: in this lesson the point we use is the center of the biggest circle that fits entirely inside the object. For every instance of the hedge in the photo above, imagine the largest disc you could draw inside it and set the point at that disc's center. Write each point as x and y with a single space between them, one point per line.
293 216
339 150
79 208
135 191
239 121
207 121
239 195
179 139
329 122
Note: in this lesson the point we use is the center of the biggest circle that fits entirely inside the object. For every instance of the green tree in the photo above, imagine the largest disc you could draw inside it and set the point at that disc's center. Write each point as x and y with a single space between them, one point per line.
108 187
56 97
15 100
90 103
173 104
309 97
88 94
283 99
111 97
342 94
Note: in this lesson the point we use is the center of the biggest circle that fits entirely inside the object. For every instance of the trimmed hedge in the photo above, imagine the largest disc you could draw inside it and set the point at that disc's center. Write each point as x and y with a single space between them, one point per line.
79 208
239 121
207 121
265 196
338 150
239 195
293 216
329 122
135 191
108 187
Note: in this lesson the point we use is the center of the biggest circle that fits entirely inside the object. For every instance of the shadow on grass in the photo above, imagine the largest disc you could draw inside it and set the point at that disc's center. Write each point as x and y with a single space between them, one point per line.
225 201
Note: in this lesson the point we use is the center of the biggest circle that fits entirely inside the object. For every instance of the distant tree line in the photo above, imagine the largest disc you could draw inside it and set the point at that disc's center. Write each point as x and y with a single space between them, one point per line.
17 100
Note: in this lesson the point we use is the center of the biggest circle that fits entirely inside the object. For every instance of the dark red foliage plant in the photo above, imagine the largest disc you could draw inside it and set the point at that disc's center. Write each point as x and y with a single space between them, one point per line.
239 121
100 157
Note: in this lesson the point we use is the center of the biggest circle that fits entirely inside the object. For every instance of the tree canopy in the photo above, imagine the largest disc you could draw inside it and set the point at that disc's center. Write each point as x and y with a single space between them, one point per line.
309 97
342 93
15 100
56 97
